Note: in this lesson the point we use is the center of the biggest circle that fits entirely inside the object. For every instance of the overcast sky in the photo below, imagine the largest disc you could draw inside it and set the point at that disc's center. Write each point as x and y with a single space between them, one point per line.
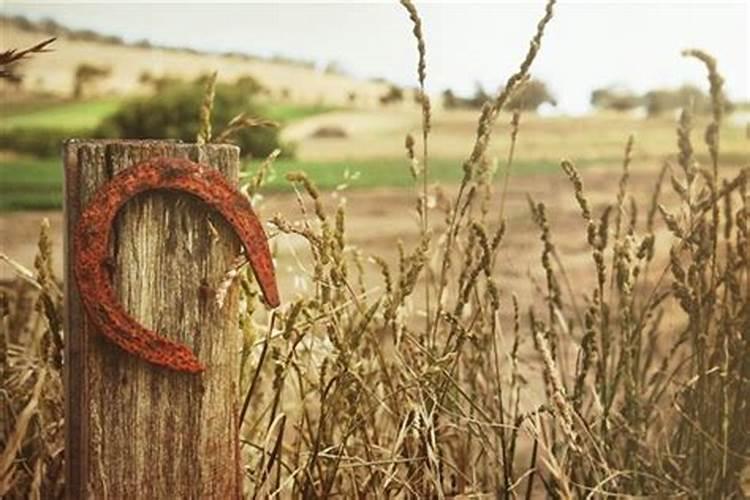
589 44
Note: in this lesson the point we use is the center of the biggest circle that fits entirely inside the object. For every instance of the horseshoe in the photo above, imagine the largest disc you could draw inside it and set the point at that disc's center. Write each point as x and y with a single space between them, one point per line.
92 237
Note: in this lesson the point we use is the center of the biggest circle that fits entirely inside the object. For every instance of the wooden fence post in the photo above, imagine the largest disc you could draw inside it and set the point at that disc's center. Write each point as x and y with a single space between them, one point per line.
134 430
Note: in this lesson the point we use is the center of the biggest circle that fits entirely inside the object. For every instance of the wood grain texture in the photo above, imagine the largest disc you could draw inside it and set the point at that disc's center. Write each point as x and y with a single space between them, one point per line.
134 430
92 267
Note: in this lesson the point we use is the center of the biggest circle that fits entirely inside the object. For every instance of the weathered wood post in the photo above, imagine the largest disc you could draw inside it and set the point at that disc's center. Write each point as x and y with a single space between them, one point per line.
134 430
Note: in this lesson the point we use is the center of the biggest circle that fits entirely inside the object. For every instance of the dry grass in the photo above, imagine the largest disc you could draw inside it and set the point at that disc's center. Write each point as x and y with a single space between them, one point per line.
629 380
11 57
31 399
378 134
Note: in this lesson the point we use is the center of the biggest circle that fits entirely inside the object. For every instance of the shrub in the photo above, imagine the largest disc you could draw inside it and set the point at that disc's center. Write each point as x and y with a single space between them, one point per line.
334 68
85 75
22 23
158 83
329 132
615 99
450 101
42 142
143 44
394 94
250 85
173 114
660 101
530 96
479 98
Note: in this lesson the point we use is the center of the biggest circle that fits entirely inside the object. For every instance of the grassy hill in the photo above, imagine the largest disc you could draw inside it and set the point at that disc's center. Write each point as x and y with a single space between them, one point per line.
54 74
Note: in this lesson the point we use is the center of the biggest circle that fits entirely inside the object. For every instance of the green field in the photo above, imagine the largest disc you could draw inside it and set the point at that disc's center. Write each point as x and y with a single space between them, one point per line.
29 183
37 128
287 113
36 183
79 115
61 115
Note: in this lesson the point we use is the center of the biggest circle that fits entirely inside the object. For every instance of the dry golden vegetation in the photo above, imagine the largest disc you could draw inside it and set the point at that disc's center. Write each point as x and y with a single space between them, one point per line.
425 376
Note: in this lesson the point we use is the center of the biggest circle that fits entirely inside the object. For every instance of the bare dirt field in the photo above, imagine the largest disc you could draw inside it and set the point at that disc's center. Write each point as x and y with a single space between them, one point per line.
378 218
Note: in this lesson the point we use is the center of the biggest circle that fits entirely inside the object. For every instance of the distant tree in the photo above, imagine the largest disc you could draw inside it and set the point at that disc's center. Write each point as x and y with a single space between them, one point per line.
480 96
250 84
394 94
690 94
203 78
416 96
84 35
333 68
450 101
624 103
50 26
530 96
145 78
615 99
85 75
660 101
158 83
23 23
10 74
534 94
599 97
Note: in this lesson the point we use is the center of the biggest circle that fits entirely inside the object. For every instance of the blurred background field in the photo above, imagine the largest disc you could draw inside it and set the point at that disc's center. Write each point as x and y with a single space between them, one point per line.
346 133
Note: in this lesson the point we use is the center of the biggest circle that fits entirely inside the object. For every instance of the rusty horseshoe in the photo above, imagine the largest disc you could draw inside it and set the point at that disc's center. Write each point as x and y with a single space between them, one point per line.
93 233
